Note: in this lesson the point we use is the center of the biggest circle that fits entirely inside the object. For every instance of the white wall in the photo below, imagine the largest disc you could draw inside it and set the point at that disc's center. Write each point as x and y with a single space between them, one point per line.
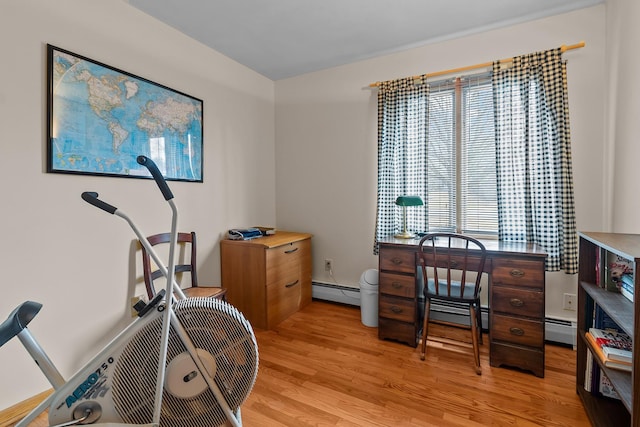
623 124
76 260
326 142
79 261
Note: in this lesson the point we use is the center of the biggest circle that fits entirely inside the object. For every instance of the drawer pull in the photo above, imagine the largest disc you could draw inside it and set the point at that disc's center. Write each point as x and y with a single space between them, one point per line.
396 285
454 264
396 261
290 251
517 331
517 273
516 302
396 310
289 285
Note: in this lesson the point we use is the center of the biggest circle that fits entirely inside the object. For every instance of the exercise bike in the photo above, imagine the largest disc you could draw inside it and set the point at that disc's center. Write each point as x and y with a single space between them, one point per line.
183 362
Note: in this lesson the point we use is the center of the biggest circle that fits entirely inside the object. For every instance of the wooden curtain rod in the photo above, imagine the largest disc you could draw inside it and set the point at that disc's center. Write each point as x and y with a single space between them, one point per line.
564 48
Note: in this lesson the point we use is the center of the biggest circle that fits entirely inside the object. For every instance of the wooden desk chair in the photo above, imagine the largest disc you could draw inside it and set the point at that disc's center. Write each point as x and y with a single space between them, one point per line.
455 256
187 240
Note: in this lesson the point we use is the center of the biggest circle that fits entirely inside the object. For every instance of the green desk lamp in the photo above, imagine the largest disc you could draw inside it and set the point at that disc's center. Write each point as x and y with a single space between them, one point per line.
405 201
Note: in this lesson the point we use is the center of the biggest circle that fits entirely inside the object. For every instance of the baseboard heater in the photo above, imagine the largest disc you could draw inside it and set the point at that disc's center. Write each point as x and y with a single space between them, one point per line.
556 330
336 293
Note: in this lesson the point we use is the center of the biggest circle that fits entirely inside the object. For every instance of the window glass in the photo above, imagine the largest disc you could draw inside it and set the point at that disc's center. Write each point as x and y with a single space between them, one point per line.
461 164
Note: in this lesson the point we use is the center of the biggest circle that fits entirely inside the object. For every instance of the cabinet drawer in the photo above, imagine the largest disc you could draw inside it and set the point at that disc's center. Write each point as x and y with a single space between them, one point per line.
517 272
399 260
283 274
284 263
397 308
518 302
283 299
397 284
289 253
515 330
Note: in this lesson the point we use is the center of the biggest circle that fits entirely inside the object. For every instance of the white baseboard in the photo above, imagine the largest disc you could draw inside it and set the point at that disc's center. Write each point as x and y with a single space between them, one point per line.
556 330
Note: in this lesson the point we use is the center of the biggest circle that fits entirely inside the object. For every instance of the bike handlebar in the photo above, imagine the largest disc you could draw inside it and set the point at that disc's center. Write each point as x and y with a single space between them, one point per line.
157 176
91 197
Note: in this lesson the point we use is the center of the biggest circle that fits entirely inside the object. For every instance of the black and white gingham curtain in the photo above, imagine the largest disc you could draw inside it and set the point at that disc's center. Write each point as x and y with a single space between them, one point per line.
533 157
402 153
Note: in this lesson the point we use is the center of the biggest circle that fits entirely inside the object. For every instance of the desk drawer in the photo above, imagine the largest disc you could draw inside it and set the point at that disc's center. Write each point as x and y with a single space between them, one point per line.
517 272
515 330
456 261
397 284
397 308
398 260
518 302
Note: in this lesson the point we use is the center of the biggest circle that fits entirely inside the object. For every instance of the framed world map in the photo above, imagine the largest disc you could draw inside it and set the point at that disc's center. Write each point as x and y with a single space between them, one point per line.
100 119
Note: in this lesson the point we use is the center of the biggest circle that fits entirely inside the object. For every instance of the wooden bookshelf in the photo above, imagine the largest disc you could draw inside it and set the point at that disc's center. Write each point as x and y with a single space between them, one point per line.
592 291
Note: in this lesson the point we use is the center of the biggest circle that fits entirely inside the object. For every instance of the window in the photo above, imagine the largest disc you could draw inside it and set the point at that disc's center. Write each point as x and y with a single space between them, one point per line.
461 168
489 155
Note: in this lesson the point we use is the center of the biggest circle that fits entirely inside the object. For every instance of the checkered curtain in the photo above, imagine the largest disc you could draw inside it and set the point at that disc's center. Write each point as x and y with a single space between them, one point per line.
402 153
533 164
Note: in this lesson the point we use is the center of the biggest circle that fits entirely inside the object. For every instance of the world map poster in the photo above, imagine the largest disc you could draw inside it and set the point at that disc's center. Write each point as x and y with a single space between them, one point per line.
101 119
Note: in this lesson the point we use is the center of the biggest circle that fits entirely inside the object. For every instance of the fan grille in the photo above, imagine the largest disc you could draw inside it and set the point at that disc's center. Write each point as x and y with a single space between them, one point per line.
214 326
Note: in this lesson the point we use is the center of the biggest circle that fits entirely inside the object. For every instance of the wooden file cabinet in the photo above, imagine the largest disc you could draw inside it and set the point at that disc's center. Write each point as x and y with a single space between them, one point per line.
516 300
267 278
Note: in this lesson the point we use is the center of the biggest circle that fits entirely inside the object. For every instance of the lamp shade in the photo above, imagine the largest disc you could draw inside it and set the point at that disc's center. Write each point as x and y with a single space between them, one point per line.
405 201
409 201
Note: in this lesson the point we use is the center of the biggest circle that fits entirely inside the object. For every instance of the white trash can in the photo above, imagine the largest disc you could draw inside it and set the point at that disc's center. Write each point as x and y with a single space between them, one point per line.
369 298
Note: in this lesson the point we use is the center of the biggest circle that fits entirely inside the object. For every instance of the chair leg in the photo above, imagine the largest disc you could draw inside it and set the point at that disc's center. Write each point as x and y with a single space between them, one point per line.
479 317
474 338
425 328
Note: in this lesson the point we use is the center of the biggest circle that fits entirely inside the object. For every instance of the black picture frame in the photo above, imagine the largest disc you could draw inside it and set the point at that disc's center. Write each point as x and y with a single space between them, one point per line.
100 118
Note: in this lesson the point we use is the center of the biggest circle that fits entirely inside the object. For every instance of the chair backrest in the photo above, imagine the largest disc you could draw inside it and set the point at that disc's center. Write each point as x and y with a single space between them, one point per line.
446 259
186 240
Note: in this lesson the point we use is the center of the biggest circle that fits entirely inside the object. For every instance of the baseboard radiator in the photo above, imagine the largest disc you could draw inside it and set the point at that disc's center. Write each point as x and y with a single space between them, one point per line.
336 293
556 330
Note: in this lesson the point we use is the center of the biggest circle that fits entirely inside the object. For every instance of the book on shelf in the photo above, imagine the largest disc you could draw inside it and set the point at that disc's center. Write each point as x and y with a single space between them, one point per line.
597 351
626 286
627 280
615 345
617 268
597 268
627 294
589 372
602 320
605 388
596 382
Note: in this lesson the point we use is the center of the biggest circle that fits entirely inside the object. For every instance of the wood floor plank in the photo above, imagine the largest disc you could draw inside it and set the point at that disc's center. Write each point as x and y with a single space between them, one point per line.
388 383
322 367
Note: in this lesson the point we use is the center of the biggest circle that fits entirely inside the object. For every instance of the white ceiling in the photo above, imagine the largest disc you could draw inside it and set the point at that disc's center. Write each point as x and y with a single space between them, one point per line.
285 38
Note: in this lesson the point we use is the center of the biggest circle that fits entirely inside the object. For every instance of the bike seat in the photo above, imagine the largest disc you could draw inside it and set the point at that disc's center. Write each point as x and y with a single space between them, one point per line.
18 320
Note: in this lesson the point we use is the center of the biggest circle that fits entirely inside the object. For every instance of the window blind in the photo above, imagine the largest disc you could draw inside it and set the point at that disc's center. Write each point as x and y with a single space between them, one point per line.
461 163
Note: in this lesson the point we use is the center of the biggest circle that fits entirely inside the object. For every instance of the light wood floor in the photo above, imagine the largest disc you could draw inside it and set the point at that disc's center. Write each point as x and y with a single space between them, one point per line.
322 367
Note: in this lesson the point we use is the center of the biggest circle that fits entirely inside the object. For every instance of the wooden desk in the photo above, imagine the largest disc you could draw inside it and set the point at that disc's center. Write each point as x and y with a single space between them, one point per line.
516 300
